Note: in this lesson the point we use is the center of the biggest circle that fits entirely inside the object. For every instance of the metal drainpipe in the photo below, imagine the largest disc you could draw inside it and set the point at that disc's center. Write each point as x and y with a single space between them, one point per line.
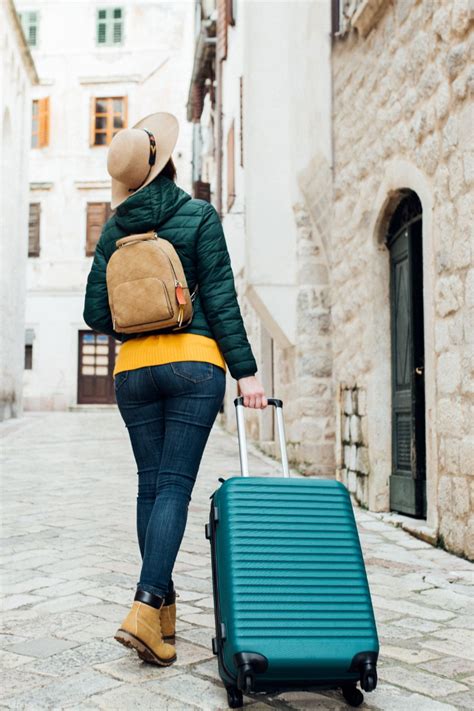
219 138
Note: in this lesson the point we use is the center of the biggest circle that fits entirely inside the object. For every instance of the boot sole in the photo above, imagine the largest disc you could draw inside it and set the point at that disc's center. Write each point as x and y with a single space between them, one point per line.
144 652
169 640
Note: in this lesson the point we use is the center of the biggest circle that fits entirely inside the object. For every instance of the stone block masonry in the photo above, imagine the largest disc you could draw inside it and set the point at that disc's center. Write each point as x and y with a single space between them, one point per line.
402 119
353 468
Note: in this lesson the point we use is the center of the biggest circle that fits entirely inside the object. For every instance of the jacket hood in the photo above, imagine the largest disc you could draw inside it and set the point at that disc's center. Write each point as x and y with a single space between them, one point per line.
150 207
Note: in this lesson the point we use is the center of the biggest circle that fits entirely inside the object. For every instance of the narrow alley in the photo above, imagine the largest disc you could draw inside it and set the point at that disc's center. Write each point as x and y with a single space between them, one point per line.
71 561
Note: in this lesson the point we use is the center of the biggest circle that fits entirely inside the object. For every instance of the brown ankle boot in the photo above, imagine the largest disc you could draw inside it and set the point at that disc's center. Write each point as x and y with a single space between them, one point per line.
168 617
141 630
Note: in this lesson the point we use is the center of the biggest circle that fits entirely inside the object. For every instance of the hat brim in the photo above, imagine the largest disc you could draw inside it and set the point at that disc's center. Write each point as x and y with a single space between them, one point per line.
165 127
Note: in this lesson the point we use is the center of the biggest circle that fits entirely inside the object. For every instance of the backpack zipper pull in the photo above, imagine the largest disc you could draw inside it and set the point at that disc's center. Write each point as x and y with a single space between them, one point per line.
180 293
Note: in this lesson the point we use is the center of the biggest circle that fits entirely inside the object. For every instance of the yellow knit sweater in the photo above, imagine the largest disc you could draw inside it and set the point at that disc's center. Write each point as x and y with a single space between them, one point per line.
165 348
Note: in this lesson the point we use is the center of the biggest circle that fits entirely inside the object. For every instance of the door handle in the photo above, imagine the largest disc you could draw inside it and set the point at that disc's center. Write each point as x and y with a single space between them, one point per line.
419 371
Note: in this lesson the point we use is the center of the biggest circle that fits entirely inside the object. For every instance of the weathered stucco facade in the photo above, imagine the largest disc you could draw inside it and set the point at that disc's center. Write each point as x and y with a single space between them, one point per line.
402 120
17 76
276 226
71 172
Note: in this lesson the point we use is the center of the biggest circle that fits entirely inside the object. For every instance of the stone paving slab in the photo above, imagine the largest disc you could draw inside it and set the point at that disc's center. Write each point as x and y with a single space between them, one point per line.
70 563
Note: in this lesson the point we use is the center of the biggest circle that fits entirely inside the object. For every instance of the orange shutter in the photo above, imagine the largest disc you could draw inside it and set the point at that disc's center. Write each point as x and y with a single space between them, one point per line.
43 106
92 122
40 127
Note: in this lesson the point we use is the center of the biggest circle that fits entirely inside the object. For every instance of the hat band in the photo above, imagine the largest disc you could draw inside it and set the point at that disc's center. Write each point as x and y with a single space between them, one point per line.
151 158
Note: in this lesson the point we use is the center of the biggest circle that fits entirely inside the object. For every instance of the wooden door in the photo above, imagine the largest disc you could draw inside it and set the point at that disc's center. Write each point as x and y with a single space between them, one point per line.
408 479
96 360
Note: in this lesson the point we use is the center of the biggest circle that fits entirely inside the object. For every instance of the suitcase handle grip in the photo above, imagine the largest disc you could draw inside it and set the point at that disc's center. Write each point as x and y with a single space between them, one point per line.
239 408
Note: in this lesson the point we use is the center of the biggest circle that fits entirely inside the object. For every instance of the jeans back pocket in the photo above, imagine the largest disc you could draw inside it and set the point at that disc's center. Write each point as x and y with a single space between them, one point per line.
119 379
194 370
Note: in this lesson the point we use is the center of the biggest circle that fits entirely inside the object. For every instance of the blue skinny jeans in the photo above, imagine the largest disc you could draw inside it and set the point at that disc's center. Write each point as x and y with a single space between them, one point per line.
169 411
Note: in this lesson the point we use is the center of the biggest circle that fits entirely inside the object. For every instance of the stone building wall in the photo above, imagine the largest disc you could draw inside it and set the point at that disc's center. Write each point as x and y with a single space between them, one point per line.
403 118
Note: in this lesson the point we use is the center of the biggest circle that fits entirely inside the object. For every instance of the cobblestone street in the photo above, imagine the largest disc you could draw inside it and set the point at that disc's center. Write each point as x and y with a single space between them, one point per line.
71 562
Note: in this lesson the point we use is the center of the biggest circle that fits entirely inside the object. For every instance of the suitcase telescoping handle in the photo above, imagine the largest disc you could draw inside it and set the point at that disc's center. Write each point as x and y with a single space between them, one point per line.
244 464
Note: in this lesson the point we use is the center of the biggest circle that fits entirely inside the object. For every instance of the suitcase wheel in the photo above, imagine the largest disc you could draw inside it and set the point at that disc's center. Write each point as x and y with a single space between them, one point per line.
245 680
368 678
352 695
235 698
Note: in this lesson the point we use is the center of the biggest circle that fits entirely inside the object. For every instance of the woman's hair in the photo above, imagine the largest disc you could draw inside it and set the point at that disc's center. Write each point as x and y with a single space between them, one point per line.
169 171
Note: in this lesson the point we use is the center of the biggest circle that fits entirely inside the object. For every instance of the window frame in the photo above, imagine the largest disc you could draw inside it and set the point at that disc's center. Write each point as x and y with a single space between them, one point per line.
34 253
109 115
28 365
107 213
109 22
27 24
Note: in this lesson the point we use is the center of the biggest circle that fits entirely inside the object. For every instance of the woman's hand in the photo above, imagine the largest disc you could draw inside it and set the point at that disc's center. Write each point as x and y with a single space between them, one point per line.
252 392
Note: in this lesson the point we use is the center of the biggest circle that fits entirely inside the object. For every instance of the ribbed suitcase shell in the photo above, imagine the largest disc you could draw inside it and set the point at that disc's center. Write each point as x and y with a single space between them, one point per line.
289 579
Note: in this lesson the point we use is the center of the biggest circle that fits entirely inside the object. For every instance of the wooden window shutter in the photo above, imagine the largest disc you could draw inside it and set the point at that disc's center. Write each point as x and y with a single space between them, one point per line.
222 22
43 106
97 215
109 29
202 190
40 123
34 230
29 22
230 167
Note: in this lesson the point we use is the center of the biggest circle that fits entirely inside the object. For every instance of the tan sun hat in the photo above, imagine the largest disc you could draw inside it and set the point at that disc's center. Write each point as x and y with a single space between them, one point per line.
136 155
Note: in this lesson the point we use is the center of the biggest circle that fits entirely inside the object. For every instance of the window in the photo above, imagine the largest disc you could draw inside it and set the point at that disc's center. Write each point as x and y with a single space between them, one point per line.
109 115
336 12
29 23
34 230
230 168
40 123
29 336
202 190
109 26
97 215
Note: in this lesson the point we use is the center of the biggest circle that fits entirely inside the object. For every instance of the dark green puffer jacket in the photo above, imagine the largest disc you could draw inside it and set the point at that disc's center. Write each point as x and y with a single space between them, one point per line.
194 228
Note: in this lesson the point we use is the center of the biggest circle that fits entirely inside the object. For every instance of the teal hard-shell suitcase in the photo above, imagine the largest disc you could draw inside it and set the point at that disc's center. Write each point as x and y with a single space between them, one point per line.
291 598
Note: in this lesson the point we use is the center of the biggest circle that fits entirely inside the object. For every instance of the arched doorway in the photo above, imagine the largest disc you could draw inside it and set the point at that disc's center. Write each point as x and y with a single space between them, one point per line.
404 241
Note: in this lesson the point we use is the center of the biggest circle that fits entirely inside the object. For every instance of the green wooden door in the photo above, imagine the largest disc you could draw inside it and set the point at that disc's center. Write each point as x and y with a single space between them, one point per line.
408 479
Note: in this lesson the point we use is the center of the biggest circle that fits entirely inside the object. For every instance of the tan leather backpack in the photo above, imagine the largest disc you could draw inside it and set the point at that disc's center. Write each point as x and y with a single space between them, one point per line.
146 285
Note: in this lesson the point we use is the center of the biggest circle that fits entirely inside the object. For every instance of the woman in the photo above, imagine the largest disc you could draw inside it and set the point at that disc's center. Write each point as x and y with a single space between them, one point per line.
169 386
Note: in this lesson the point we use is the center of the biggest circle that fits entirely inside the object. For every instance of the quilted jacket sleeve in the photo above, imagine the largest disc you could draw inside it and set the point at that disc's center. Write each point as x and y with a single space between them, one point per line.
219 298
96 303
